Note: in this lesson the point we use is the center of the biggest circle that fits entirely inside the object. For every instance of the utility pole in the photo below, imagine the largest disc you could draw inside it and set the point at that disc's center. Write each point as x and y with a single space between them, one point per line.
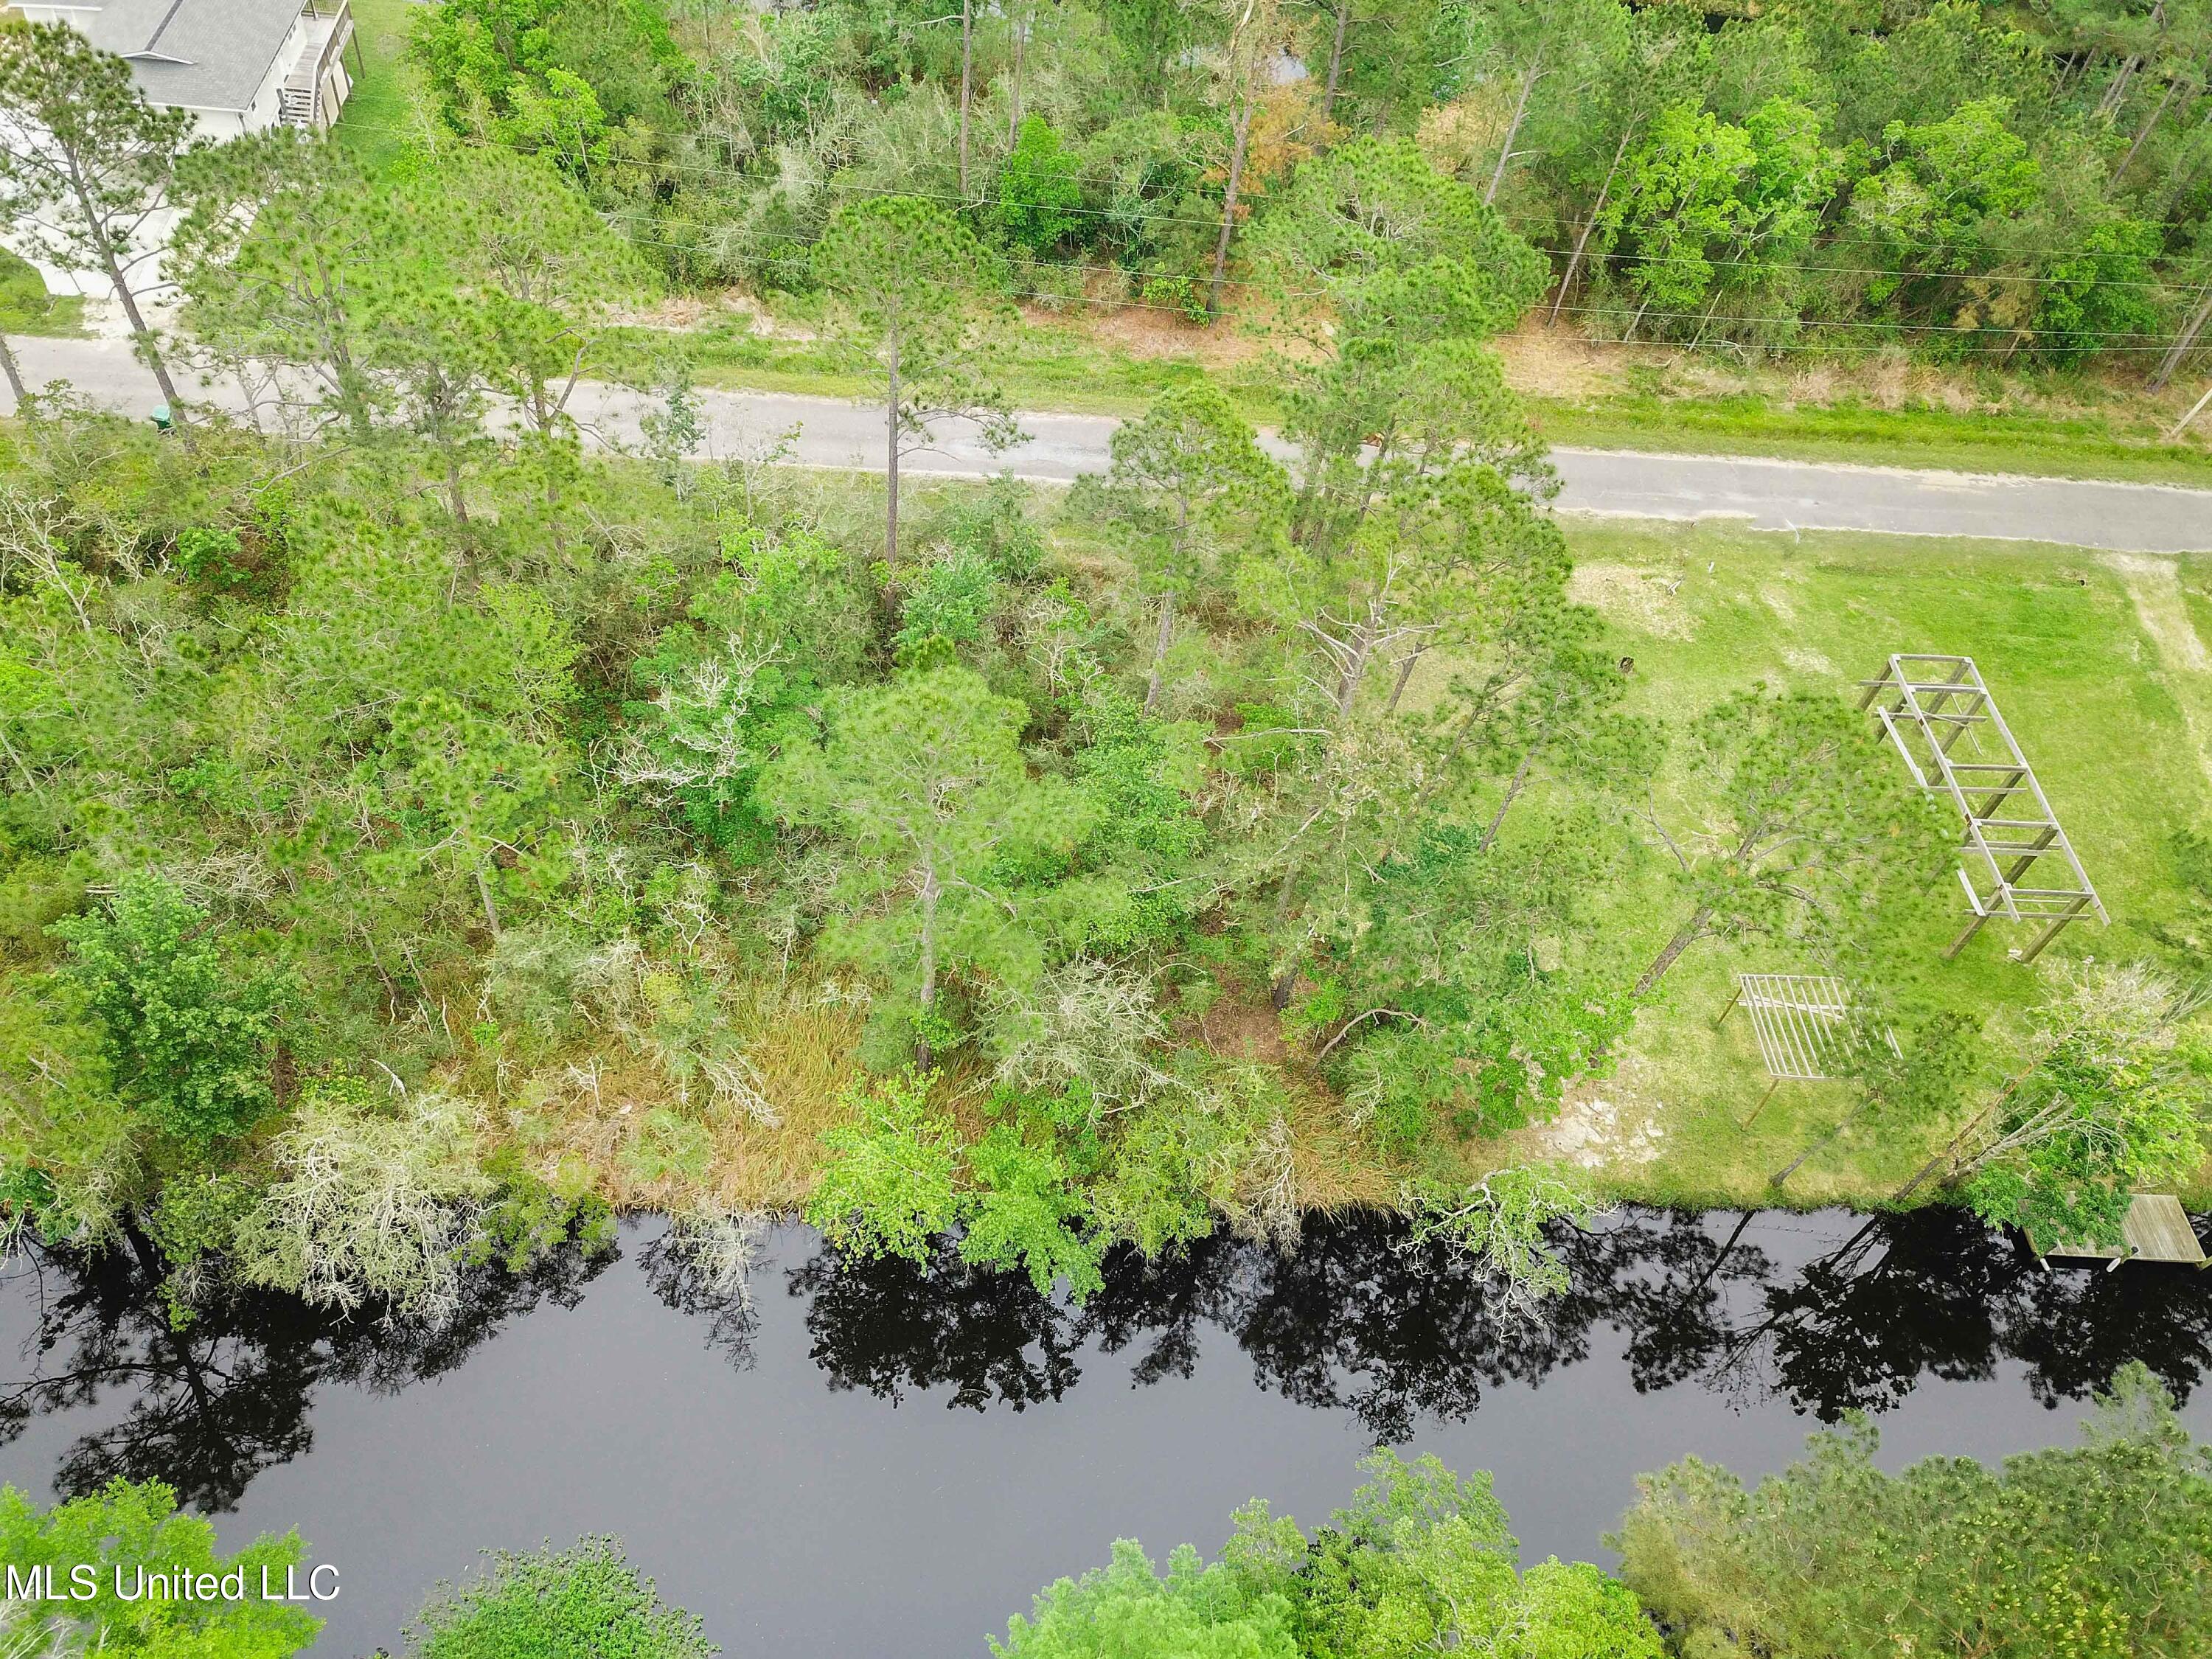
2181 425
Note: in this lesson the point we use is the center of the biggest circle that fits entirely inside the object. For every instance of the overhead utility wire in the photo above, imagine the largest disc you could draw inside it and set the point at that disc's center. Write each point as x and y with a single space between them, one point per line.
857 193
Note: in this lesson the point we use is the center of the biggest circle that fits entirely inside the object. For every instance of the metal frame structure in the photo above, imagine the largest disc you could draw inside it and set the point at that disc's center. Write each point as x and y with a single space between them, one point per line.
1797 1021
1794 1018
1944 722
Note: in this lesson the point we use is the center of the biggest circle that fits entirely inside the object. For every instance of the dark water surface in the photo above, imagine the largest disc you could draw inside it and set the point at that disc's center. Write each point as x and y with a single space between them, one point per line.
878 1460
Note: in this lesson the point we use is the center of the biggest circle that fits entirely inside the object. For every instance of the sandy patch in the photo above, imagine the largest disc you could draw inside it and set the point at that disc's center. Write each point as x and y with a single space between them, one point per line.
1646 600
2153 585
1547 362
1808 662
1604 1129
103 317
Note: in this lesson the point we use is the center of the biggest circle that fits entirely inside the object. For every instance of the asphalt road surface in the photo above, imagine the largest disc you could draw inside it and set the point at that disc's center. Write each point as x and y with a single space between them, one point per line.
1769 494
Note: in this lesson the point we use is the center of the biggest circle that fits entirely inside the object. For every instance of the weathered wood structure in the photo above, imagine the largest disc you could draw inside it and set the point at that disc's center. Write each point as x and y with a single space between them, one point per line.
2157 1229
1944 722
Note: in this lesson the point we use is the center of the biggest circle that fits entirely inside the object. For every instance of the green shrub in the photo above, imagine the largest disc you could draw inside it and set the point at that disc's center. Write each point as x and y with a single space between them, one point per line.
1178 293
887 1184
189 1037
124 1527
1039 189
1126 1611
2103 1549
1420 1563
1028 1215
950 600
996 524
584 1603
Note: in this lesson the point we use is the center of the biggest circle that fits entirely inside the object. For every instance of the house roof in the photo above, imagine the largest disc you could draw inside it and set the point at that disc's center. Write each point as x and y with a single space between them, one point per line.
198 54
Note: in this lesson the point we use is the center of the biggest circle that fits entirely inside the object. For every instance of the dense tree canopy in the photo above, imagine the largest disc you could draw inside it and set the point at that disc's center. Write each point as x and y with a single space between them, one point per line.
1966 179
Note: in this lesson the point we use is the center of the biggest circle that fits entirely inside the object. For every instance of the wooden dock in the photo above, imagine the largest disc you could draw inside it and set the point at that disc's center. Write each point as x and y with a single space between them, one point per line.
2157 1229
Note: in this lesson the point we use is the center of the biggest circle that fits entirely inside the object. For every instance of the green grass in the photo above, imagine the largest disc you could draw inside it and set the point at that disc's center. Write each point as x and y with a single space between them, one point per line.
380 112
1046 368
2090 659
25 307
2085 445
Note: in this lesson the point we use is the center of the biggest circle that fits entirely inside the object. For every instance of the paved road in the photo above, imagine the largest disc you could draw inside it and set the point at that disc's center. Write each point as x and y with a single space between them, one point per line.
1771 495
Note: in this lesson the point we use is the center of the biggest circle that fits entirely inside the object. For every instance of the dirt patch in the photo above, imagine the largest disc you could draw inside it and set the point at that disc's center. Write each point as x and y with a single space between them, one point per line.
103 319
2154 585
1605 1125
1645 600
1546 363
1809 662
1149 333
1234 1029
685 310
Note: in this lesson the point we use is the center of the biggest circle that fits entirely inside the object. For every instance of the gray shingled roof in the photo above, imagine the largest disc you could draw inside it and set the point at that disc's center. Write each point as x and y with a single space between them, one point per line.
200 54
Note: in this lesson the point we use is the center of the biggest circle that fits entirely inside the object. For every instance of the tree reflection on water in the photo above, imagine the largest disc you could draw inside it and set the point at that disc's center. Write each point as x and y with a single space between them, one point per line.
209 1406
889 1325
1825 1313
1354 1321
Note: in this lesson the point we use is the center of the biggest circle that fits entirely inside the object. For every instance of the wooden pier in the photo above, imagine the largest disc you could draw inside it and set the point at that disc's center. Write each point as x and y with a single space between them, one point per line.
2157 1229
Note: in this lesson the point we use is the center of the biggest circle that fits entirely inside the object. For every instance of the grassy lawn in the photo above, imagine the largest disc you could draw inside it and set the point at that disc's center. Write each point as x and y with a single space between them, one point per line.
1046 368
380 112
2081 446
2096 661
25 307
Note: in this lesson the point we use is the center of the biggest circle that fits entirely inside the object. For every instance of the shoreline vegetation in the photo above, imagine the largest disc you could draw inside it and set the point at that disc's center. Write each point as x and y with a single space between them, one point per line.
530 1077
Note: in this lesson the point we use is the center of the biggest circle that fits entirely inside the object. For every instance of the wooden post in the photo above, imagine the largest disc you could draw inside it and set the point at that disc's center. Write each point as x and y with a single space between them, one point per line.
1761 1106
2021 865
2181 425
1973 928
2058 926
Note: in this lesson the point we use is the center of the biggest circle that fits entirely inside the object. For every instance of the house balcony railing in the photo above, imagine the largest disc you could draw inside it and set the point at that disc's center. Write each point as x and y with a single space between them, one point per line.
307 97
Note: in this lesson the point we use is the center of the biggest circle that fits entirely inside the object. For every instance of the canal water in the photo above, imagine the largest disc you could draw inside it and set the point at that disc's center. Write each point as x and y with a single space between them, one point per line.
881 1461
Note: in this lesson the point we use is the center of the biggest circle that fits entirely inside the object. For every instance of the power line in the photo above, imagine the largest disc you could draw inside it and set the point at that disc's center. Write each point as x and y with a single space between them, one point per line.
2161 342
1214 221
2098 342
